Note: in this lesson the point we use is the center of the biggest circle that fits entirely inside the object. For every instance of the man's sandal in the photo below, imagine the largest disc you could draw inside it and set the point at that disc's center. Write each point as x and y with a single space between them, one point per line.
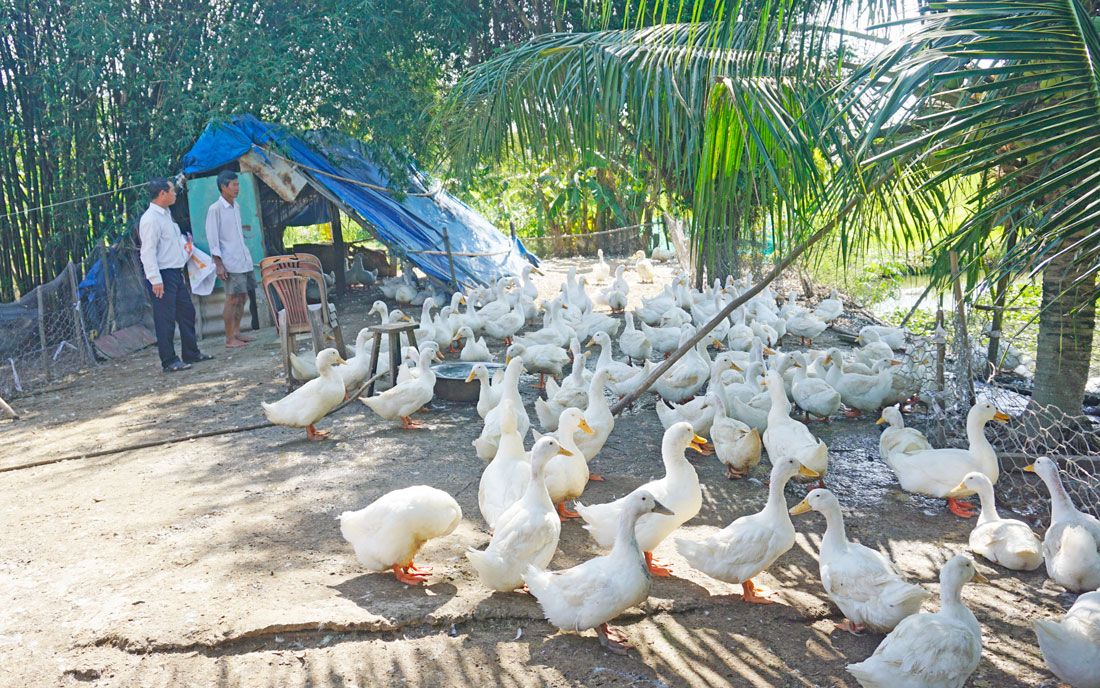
176 367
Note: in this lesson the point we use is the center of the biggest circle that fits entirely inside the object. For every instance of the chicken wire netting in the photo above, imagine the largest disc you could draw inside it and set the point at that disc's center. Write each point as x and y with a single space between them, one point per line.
1034 429
49 333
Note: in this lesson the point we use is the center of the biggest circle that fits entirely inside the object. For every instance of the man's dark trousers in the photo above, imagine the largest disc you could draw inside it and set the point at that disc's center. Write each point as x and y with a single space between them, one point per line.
174 307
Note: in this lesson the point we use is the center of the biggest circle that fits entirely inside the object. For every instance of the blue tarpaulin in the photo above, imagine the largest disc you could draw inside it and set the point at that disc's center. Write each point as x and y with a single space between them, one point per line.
407 226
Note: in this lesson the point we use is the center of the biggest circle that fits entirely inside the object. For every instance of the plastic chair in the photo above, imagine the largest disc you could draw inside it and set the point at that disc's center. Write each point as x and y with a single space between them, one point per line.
288 285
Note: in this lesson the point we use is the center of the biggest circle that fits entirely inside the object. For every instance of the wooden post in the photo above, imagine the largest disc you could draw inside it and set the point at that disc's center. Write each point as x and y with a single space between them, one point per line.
317 327
339 249
284 341
941 346
964 339
105 260
450 258
42 333
78 317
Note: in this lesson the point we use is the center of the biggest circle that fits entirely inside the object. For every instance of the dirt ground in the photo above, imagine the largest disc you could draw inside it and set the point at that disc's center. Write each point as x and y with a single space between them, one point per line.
218 561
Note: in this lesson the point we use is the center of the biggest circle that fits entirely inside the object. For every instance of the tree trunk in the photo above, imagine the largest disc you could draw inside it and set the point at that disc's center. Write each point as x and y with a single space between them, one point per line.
1066 325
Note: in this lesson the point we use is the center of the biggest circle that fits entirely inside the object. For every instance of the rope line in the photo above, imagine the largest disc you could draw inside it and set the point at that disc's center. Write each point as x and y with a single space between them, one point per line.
586 234
26 211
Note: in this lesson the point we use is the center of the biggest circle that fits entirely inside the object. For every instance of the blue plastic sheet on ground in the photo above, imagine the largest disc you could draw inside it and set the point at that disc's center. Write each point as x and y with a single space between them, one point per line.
413 224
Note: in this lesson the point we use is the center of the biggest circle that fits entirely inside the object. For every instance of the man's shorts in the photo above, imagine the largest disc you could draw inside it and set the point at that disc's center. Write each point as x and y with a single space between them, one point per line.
240 282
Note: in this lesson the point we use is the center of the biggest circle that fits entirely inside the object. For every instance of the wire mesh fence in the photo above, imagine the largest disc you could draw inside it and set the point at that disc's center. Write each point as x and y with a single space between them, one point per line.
50 332
950 371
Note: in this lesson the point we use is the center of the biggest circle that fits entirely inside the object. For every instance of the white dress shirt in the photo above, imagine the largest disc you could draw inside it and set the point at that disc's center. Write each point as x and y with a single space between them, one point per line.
161 242
225 234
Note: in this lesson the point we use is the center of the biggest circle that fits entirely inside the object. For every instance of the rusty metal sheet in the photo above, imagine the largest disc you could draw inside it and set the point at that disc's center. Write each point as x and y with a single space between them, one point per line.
278 174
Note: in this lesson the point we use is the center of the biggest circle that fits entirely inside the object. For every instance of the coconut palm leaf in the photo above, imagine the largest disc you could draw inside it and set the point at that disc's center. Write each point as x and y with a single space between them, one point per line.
1008 89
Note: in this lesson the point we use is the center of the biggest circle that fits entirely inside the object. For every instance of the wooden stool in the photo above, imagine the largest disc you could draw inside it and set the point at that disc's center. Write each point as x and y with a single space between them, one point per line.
394 330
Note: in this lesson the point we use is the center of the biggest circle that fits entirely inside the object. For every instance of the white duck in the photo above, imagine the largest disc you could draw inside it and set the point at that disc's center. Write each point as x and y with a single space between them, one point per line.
573 392
688 375
938 472
786 436
475 350
752 543
618 369
831 308
598 417
621 388
1071 647
556 333
389 532
633 342
591 594
488 396
861 392
813 395
312 401
865 584
1071 545
653 309
505 478
894 337
486 443
662 255
930 650
804 325
1005 541
504 326
544 359
615 296
897 438
601 271
663 340
567 474
427 326
740 335
699 412
736 444
405 398
754 413
355 372
644 268
526 534
678 489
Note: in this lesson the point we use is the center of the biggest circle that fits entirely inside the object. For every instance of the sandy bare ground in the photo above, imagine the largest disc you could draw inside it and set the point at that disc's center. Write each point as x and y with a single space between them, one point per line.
219 562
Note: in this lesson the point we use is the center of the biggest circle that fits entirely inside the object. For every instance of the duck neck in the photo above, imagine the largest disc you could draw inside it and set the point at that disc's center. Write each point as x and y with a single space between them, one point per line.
988 502
329 373
835 536
776 502
1061 506
604 360
536 488
981 448
951 596
626 540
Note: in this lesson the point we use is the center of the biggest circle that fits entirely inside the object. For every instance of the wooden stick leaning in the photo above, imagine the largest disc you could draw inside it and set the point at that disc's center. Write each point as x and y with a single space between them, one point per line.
752 291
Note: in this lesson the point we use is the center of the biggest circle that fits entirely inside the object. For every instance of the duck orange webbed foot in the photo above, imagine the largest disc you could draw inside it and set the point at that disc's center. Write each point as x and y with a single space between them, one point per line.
410 424
565 514
734 474
406 575
854 629
612 639
593 476
961 509
315 434
751 593
656 566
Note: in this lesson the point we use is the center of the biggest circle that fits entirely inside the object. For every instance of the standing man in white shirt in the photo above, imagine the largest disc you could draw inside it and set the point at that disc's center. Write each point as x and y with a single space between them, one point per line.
163 258
232 259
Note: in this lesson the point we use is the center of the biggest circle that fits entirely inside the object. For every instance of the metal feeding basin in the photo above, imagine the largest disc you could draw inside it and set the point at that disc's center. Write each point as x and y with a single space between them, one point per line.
450 380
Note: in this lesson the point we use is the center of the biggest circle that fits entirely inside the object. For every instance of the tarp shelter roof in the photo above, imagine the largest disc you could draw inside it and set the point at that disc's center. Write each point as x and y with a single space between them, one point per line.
407 226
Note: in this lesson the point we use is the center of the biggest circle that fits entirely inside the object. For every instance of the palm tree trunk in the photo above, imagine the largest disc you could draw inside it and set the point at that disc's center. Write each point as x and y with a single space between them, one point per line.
1066 325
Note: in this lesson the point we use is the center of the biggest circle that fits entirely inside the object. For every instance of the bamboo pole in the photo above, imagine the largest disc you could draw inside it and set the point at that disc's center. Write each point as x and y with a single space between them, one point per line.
752 291
964 343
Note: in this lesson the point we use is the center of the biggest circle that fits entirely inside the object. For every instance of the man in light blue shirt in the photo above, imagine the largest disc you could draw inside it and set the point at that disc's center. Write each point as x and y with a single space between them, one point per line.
232 259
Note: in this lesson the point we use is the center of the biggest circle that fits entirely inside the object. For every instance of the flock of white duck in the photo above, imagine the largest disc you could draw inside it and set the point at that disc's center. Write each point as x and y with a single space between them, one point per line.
742 399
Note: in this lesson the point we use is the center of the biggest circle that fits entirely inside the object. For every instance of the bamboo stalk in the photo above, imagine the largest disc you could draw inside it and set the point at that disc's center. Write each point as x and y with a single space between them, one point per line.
42 333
